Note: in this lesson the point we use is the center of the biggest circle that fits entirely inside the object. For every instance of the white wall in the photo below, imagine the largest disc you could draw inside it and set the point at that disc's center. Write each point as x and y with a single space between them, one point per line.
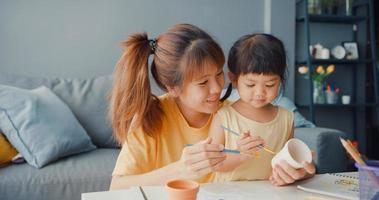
80 38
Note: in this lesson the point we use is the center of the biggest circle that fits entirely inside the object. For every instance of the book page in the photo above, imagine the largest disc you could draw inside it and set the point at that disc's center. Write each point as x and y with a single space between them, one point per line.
342 185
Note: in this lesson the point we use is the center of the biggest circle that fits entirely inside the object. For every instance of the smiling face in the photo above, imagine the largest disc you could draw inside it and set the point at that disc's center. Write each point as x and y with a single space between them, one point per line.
202 93
257 90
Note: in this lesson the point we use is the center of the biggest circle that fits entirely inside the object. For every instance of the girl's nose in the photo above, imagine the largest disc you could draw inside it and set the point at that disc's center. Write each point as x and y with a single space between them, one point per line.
259 91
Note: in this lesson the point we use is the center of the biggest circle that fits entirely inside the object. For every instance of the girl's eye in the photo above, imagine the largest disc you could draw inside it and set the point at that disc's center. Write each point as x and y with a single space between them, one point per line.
252 85
221 73
272 85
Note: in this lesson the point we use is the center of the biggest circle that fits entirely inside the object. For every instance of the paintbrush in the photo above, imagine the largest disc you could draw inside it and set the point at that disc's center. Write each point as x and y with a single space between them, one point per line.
231 151
238 134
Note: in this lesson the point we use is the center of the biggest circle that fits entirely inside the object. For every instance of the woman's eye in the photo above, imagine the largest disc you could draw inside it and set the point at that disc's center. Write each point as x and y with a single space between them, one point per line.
203 83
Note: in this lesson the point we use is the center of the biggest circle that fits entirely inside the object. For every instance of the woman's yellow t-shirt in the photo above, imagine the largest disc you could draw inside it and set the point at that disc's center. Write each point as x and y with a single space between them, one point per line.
142 153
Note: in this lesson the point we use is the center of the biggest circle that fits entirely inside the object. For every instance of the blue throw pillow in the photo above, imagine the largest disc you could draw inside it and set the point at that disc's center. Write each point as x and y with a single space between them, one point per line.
40 126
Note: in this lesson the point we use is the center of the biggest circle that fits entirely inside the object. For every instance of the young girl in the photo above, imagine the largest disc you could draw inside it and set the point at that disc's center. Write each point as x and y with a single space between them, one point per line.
188 64
257 65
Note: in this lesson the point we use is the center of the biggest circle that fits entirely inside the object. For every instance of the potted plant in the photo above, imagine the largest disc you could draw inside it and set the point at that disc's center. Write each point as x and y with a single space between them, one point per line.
318 81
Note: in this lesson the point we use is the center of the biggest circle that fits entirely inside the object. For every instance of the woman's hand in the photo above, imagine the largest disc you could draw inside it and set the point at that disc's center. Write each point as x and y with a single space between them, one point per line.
284 174
249 145
200 159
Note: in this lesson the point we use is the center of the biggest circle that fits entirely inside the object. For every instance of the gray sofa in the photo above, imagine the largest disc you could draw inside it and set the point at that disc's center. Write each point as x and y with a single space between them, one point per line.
67 178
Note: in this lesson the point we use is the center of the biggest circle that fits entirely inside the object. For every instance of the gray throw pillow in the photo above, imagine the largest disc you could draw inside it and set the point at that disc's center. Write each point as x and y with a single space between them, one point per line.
40 126
87 99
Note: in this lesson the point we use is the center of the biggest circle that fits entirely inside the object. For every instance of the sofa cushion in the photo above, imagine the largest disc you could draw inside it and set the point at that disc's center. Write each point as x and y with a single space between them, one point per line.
7 151
87 99
40 126
330 156
64 179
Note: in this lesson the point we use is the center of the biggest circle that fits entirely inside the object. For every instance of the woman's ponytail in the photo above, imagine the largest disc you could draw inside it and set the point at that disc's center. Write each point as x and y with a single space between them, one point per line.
131 101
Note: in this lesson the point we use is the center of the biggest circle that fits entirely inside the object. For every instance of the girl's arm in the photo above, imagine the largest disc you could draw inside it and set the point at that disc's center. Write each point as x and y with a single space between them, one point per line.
216 132
195 162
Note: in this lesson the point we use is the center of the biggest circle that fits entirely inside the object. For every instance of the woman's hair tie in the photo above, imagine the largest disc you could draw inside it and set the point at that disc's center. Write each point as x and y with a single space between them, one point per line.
153 45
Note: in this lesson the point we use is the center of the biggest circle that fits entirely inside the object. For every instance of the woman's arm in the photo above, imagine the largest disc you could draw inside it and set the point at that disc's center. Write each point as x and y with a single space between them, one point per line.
217 134
196 161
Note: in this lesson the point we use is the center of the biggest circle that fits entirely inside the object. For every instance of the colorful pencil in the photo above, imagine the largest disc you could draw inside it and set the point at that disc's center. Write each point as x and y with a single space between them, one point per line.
352 151
357 157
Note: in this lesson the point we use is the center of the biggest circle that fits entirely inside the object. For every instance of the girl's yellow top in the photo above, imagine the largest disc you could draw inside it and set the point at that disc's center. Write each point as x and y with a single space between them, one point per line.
275 134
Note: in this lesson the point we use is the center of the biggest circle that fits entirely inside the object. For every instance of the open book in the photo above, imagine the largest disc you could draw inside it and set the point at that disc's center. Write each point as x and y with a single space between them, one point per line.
342 185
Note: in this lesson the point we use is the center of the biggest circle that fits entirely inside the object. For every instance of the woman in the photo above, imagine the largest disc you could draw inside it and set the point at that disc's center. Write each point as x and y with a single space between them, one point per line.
155 131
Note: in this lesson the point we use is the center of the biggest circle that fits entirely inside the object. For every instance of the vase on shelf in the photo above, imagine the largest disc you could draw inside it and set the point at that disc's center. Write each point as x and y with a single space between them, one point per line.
314 6
348 7
318 93
330 7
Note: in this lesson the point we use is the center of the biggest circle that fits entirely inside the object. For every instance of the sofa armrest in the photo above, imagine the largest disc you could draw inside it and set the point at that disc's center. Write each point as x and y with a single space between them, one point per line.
330 154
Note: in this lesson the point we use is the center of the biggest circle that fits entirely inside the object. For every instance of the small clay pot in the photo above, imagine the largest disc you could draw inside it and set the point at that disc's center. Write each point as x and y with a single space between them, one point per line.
182 189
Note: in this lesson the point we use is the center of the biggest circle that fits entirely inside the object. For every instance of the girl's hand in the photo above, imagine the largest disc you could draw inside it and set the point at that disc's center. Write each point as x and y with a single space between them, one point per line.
249 145
284 174
200 159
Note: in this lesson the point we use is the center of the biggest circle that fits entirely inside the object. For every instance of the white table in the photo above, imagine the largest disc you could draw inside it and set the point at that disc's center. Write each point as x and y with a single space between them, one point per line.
214 191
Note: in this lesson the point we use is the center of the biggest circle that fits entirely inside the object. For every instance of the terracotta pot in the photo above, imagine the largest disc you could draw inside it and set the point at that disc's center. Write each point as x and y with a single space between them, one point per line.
182 189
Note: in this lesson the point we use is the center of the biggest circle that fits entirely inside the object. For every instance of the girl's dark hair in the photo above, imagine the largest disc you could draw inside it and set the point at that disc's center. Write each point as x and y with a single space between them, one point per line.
258 53
178 55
